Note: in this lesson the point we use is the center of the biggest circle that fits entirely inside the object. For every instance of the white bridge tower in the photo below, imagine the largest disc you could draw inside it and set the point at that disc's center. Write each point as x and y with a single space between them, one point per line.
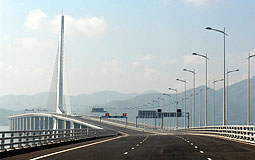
59 92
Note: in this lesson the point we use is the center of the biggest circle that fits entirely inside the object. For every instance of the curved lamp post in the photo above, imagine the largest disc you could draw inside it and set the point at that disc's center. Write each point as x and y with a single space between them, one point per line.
194 85
248 99
224 66
213 117
206 58
185 82
176 105
227 108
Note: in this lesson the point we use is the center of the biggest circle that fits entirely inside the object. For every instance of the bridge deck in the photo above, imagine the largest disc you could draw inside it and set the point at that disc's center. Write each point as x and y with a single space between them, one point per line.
143 145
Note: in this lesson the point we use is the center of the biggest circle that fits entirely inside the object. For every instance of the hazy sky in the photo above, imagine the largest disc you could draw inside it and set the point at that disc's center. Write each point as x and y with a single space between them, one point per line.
122 45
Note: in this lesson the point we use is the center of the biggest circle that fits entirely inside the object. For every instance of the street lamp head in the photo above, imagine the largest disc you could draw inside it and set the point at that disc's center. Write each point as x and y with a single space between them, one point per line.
208 28
184 69
194 54
237 70
177 79
251 56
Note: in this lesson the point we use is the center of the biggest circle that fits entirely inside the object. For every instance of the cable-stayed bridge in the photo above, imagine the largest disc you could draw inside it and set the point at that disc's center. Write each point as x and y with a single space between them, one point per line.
58 134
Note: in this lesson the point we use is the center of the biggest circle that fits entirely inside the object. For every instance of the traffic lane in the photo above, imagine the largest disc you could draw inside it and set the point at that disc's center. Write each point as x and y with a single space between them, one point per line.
117 128
219 148
114 150
170 147
29 155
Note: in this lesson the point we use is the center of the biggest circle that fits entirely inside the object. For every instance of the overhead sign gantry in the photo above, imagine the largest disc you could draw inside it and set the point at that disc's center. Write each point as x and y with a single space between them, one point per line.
107 115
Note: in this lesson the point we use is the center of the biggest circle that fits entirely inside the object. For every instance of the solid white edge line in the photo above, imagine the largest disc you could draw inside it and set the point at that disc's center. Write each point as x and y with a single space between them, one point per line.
71 149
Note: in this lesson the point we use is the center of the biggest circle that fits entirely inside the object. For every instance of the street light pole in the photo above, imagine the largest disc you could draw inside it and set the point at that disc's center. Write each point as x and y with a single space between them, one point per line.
150 116
194 76
213 117
165 94
190 108
145 120
176 105
156 115
248 103
206 58
227 109
224 66
200 107
185 82
162 125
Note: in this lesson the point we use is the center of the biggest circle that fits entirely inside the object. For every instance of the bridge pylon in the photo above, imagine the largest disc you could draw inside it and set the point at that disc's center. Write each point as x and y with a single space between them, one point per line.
58 100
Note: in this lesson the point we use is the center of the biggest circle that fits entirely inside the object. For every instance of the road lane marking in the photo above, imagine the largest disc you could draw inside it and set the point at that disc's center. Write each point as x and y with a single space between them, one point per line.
209 158
133 148
125 153
71 149
196 147
191 144
201 152
137 145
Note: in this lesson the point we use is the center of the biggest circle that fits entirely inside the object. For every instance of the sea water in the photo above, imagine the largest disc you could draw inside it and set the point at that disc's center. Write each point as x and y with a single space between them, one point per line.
4 128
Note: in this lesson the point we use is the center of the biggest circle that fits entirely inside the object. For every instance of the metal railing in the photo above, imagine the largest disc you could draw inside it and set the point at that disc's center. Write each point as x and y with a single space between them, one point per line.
123 123
238 132
24 139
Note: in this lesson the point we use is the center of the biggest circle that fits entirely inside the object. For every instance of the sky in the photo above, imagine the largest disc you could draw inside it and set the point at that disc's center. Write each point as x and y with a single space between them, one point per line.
123 45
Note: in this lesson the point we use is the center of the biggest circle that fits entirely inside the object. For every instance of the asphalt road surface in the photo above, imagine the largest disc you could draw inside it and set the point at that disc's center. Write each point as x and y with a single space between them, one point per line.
139 145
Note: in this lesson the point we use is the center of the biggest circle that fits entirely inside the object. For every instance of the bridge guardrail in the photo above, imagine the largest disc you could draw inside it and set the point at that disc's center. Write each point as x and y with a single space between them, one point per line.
237 132
31 138
123 123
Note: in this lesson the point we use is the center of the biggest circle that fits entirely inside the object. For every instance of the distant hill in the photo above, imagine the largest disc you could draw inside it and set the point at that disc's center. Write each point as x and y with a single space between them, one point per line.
99 98
116 103
21 102
237 104
4 113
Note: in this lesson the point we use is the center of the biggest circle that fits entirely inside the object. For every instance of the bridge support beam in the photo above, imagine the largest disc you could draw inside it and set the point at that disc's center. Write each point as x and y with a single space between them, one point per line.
46 122
27 123
19 124
24 123
10 124
33 123
55 123
71 125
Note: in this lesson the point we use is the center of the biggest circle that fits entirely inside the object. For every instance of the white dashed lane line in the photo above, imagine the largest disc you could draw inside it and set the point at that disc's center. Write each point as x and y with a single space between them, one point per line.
202 152
137 144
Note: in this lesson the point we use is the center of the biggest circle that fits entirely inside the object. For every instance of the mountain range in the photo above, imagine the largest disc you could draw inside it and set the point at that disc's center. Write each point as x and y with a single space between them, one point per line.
117 103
